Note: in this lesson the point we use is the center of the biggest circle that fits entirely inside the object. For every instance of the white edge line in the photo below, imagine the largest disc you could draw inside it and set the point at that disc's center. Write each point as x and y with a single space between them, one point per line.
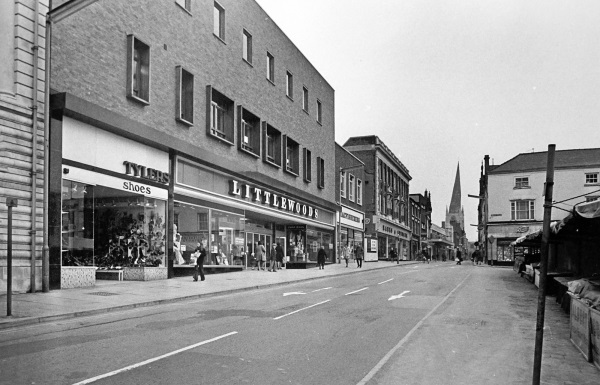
386 281
389 354
296 311
356 291
109 374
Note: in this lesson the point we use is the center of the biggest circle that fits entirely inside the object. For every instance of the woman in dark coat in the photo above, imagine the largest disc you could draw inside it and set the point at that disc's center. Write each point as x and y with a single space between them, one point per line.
321 255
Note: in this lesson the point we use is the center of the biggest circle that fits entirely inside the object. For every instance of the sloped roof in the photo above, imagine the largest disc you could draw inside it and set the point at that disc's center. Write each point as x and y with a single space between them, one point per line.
536 161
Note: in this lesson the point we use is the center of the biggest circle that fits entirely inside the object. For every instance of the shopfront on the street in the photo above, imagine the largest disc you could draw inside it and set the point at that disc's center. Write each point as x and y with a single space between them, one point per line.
113 204
229 216
351 228
391 236
501 239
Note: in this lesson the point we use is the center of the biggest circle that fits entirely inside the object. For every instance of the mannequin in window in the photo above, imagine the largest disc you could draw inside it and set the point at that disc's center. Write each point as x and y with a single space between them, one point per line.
177 246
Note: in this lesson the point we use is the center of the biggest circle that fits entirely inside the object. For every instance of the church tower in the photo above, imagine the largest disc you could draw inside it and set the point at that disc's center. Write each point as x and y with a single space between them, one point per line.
455 215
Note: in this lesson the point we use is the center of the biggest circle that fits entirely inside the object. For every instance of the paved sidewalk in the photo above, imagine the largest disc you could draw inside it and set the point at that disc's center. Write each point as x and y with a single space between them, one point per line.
109 296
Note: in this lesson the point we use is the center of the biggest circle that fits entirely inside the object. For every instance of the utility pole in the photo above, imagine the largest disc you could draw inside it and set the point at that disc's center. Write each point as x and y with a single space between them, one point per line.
539 327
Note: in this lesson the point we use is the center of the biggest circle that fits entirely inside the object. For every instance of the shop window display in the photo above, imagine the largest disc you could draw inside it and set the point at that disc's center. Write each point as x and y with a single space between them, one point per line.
296 235
220 232
111 228
315 239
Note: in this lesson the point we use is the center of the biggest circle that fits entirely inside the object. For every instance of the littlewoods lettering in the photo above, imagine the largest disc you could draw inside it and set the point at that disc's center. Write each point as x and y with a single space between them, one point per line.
266 197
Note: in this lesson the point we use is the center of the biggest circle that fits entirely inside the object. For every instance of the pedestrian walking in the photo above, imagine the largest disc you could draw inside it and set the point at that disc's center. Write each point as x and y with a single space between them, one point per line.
261 256
458 257
358 251
346 253
476 257
394 255
200 253
321 255
273 258
279 255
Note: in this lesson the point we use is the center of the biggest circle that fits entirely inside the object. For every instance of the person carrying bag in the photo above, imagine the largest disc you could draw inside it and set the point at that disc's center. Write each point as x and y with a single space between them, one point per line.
200 253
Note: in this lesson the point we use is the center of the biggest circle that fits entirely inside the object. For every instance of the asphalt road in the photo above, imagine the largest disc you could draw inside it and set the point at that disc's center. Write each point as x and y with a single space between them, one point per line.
419 324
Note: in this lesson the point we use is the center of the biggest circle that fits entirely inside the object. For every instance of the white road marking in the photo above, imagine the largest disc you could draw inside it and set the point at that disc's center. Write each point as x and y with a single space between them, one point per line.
386 281
356 291
325 288
304 308
94 379
389 354
399 295
416 267
293 293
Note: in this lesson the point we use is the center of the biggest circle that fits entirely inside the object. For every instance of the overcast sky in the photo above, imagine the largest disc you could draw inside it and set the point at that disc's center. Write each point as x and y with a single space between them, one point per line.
442 81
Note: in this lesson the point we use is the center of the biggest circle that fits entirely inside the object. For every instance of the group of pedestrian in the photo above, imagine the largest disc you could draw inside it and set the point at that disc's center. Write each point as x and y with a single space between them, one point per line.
260 256
357 252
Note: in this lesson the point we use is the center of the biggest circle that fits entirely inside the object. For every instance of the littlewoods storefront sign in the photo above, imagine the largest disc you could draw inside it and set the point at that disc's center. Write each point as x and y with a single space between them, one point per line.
265 197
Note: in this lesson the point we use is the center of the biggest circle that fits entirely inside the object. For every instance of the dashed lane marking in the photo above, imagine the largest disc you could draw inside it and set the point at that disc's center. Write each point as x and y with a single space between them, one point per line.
304 308
356 291
151 360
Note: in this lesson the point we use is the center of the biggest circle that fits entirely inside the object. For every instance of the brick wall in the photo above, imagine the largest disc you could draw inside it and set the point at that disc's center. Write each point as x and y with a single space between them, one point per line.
89 61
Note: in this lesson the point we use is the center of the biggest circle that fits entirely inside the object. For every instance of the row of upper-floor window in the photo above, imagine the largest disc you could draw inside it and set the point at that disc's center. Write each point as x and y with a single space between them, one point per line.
393 192
254 134
524 209
247 56
351 187
523 181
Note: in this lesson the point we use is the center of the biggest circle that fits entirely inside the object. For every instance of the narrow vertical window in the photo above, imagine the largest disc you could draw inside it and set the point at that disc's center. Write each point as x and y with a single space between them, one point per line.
289 85
307 165
343 184
305 99
320 172
359 191
247 46
270 67
270 147
319 112
351 181
185 96
138 69
219 21
217 120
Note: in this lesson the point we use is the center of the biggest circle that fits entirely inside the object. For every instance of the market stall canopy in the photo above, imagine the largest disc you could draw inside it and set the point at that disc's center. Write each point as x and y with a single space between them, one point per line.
589 210
584 221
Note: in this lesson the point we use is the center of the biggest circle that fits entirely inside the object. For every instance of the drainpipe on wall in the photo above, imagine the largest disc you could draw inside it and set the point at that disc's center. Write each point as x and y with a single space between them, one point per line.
45 248
34 147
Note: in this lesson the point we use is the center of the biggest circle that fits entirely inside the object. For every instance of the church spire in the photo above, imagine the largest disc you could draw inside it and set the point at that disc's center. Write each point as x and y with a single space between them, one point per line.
455 202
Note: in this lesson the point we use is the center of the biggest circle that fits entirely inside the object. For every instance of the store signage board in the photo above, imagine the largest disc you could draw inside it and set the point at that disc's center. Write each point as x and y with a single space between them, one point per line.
94 178
352 218
595 336
580 327
93 146
268 198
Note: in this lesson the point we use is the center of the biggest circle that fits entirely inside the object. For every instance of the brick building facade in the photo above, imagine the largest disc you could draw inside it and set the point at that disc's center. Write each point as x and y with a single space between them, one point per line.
233 126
